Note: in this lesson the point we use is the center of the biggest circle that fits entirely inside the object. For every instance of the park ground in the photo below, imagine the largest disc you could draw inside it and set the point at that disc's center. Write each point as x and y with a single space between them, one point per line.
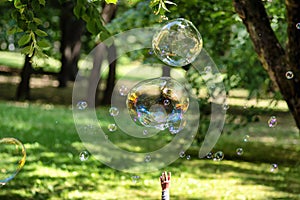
53 169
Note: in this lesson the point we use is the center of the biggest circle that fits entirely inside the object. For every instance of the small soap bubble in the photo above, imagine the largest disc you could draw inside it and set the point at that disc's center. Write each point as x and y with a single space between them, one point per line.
274 168
113 111
207 69
135 178
246 138
178 43
225 106
166 102
150 52
245 106
272 122
218 156
298 26
84 155
188 157
123 90
181 154
81 105
147 158
145 132
112 127
239 151
210 155
13 156
289 75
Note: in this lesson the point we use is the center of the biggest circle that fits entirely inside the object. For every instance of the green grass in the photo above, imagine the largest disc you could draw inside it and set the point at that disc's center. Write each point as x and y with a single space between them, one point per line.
53 169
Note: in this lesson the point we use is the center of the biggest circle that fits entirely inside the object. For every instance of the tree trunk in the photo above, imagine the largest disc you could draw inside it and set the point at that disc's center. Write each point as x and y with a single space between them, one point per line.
108 14
23 90
273 57
110 82
71 32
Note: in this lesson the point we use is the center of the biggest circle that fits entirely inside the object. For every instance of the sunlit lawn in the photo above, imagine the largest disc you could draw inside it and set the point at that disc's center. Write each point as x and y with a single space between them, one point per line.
53 169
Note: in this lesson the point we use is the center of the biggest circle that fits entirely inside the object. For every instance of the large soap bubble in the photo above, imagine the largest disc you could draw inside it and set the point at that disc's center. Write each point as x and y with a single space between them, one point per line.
178 43
159 103
13 156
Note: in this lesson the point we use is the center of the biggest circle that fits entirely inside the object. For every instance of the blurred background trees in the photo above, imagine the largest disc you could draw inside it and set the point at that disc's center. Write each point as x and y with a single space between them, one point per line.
47 26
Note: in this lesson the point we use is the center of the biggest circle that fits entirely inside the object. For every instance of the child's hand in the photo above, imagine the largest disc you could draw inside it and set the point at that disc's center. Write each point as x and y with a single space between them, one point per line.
165 180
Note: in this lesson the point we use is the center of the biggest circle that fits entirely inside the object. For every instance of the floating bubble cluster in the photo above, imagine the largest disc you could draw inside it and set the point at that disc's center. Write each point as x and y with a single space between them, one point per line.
84 155
12 159
272 122
159 103
178 43
289 75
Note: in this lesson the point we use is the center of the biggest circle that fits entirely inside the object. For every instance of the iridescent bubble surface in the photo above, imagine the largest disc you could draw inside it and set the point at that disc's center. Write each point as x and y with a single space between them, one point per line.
181 154
210 155
239 151
147 158
218 156
298 25
13 156
272 122
289 75
246 138
112 127
81 105
274 168
123 90
159 103
178 43
135 178
113 111
84 155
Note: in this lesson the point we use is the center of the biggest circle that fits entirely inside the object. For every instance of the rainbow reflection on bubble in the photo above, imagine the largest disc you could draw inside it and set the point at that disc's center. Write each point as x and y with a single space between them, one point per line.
13 156
159 103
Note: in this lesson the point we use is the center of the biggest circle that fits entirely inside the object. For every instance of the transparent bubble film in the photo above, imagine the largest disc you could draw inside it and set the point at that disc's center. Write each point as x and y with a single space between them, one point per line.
13 156
178 43
157 118
159 103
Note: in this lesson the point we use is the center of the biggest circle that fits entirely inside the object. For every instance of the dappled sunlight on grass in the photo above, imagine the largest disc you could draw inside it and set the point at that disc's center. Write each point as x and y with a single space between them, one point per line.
53 169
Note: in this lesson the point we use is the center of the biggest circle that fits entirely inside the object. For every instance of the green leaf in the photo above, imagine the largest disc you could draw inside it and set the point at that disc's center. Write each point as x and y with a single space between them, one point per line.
77 11
38 21
18 4
24 39
111 1
42 2
91 27
43 44
170 2
40 33
27 50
